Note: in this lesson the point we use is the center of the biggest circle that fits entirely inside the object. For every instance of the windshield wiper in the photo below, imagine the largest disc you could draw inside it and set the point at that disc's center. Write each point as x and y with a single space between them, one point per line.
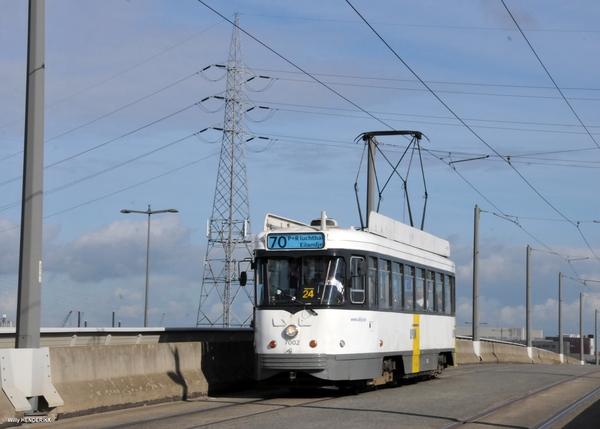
308 309
295 301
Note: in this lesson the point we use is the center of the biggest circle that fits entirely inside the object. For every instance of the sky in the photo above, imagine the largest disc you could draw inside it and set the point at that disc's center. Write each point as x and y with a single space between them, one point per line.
506 93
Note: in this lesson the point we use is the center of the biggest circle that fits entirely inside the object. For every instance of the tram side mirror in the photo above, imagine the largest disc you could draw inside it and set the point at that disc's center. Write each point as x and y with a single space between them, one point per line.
243 278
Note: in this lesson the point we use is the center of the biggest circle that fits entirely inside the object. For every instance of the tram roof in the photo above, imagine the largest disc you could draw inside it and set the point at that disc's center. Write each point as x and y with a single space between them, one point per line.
379 225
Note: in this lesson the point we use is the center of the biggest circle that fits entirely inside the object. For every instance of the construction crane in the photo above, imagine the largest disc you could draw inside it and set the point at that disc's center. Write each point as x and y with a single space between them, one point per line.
66 319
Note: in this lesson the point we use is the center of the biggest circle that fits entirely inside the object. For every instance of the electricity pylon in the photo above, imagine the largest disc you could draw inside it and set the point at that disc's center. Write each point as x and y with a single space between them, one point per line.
228 229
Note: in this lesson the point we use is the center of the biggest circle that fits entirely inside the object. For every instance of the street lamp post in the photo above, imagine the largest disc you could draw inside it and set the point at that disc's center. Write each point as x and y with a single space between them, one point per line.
581 327
596 336
501 332
472 329
148 212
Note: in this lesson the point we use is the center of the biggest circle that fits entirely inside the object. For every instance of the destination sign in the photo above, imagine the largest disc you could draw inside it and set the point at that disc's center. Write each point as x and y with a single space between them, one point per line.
296 241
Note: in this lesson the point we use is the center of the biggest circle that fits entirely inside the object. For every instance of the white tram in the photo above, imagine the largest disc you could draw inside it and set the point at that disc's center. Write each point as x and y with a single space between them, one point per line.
346 306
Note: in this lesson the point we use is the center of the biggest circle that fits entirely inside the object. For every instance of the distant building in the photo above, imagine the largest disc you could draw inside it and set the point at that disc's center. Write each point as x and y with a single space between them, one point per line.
513 334
550 345
571 344
5 323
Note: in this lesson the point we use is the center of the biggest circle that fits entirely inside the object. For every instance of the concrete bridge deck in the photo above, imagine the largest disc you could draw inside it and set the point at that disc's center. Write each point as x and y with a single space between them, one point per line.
99 369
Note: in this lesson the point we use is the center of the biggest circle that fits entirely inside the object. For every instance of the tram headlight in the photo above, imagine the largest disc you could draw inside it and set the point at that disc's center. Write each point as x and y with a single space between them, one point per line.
273 344
291 331
312 344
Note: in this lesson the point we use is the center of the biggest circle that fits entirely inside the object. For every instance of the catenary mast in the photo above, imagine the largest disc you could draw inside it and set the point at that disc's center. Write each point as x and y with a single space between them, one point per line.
228 229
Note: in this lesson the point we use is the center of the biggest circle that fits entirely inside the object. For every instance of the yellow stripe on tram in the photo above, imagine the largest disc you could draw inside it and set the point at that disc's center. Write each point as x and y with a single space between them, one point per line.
415 343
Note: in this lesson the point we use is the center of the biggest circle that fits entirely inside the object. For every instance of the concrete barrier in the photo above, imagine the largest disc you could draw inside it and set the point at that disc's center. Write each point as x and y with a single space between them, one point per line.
464 352
535 356
547 357
509 353
101 378
91 379
486 352
503 352
7 410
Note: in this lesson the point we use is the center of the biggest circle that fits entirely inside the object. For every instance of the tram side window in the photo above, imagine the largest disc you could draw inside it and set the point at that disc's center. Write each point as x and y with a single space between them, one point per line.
409 290
372 283
384 283
429 282
419 289
397 286
447 294
439 292
357 288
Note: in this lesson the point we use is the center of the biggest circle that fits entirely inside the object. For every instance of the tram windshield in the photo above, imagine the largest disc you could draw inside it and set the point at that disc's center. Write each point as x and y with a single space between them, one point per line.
314 280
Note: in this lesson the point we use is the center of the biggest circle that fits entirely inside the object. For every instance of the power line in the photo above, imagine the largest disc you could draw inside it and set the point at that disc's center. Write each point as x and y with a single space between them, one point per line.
120 73
121 108
98 173
549 75
104 144
507 160
120 190
357 115
107 115
299 68
442 91
389 79
409 115
507 217
132 186
400 24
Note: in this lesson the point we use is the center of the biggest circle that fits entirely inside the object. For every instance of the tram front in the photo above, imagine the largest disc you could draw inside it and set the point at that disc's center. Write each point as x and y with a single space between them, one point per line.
302 288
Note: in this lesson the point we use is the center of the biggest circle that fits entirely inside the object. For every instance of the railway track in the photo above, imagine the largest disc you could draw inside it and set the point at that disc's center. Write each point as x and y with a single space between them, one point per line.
549 407
471 396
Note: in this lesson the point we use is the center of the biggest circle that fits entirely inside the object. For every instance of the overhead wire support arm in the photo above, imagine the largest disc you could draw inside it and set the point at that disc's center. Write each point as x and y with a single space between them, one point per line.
416 134
468 159
372 180
426 195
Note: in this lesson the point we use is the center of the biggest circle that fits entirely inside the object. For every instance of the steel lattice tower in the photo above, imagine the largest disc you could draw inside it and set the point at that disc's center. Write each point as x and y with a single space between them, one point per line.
228 228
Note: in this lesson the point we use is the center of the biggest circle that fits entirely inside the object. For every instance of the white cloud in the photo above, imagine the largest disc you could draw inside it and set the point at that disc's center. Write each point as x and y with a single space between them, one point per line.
119 249
513 316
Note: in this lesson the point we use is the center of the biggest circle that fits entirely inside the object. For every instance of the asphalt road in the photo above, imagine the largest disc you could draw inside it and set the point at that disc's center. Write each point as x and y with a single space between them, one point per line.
436 403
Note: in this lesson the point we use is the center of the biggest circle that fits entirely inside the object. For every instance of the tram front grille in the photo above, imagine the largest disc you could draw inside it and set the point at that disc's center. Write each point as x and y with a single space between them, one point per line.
293 362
